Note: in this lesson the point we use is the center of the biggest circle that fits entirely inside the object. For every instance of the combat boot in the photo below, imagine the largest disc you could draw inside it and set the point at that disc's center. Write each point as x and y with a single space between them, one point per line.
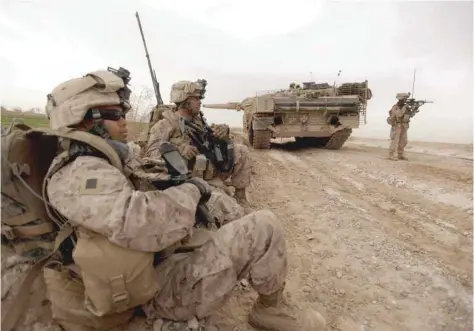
241 198
272 313
402 157
392 157
192 325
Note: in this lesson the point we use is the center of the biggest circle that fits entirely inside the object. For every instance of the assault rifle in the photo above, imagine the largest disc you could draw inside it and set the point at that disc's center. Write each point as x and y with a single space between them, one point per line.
179 174
414 105
216 150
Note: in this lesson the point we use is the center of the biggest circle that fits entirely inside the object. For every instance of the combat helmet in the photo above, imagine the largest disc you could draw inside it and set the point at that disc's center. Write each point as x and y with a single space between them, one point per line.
184 89
70 101
403 96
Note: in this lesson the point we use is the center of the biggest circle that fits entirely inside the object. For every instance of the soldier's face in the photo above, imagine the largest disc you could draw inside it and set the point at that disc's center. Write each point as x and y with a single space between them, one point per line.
194 104
115 123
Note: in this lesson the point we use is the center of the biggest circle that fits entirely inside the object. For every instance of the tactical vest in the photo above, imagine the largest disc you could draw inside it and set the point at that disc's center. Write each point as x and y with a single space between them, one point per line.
105 296
200 166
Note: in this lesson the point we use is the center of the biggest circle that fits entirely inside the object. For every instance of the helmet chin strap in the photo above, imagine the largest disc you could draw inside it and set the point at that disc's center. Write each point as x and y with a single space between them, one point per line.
99 128
185 105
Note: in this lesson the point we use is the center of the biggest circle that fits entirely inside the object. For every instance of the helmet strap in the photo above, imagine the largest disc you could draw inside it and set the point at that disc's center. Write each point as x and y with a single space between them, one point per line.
99 128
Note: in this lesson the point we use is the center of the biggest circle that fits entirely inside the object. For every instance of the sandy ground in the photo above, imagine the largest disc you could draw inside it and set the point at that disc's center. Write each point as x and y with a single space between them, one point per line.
373 244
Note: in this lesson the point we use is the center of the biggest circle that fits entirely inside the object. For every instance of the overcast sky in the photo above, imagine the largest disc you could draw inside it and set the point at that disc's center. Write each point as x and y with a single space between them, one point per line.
250 46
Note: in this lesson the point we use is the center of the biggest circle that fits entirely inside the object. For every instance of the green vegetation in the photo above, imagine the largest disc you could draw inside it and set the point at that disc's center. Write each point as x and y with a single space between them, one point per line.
30 119
40 121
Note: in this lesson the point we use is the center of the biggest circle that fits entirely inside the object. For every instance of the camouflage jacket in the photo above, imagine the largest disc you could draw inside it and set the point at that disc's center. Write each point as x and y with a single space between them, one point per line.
92 193
400 114
167 129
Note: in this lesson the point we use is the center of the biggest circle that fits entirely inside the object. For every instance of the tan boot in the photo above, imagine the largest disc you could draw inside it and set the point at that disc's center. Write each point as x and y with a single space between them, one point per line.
271 313
192 325
241 198
392 157
402 157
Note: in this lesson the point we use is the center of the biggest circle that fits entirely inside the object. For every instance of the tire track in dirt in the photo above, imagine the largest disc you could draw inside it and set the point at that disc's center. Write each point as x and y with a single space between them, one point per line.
408 208
360 266
443 226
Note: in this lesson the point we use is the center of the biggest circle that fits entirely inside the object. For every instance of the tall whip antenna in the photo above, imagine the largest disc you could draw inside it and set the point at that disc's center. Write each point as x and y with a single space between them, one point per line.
413 86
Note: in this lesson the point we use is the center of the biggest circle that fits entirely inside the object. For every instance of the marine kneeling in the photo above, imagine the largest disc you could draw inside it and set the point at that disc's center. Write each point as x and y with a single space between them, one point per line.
127 252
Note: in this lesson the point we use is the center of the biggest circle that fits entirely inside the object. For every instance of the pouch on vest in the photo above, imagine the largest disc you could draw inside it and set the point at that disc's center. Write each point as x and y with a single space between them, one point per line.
26 158
115 278
67 303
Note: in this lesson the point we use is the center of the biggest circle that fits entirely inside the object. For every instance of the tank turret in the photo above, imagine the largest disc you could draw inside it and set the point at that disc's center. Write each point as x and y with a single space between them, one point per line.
316 114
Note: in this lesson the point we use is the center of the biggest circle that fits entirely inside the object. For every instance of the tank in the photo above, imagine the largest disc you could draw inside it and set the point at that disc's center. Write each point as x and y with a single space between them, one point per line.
315 114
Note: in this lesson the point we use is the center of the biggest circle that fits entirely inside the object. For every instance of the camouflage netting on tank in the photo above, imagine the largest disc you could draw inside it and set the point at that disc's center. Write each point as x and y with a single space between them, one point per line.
354 88
315 86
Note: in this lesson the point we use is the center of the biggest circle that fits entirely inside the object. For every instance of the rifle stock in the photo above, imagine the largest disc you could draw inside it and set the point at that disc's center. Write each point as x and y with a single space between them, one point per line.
179 174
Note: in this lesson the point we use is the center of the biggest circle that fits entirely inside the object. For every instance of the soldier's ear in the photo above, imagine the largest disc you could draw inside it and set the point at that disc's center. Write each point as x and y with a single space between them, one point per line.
85 125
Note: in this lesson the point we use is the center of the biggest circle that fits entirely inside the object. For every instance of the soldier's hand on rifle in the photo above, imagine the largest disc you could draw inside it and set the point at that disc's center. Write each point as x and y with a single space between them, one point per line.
189 152
221 131
204 188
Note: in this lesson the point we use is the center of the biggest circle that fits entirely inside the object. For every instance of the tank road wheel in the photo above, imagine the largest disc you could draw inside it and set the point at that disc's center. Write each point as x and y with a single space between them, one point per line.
261 139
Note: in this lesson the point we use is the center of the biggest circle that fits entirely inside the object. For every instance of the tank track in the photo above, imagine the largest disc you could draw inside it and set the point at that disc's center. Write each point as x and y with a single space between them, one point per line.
338 139
261 139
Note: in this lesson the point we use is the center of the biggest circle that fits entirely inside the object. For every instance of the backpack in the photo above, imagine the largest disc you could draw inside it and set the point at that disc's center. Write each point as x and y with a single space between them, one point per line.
155 115
114 288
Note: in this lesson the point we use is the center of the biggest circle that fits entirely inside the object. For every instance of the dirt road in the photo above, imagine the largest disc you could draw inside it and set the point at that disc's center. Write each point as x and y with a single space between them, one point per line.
374 244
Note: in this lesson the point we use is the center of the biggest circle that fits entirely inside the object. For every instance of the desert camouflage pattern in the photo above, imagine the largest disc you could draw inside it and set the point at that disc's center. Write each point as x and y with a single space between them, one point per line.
199 283
32 247
92 193
168 130
69 102
402 96
141 171
184 89
37 315
400 120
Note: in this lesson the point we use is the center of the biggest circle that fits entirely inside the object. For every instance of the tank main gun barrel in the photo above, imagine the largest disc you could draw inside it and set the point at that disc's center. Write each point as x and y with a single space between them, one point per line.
229 105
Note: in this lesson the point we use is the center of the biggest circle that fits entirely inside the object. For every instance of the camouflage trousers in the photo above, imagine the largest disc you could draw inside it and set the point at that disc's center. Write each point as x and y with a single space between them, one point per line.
224 208
398 137
197 284
242 170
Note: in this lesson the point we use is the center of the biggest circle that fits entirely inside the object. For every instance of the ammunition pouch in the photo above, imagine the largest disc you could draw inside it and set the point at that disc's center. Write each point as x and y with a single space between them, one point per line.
203 168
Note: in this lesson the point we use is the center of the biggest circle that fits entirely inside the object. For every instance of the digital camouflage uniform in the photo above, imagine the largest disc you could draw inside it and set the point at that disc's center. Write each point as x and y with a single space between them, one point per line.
399 118
167 129
93 194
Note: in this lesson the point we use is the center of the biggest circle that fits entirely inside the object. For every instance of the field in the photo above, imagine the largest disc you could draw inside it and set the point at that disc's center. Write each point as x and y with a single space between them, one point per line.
373 244
41 121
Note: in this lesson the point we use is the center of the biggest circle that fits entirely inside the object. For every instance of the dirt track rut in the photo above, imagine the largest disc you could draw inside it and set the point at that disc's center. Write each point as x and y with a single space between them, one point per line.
374 244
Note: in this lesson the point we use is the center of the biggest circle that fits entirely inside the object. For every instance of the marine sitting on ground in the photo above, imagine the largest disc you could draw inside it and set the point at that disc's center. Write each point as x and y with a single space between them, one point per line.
187 96
112 272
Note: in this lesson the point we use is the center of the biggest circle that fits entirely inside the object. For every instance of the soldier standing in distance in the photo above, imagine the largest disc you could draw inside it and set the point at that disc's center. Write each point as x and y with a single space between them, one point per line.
399 118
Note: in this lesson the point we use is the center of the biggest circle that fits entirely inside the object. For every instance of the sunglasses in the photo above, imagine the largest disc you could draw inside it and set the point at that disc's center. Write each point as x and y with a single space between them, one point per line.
107 114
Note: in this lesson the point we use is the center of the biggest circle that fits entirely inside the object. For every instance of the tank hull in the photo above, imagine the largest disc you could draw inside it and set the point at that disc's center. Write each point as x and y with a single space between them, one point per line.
320 115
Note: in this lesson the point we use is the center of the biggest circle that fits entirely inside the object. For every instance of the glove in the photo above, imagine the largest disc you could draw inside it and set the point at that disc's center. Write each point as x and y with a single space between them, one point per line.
204 188
221 131
189 152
